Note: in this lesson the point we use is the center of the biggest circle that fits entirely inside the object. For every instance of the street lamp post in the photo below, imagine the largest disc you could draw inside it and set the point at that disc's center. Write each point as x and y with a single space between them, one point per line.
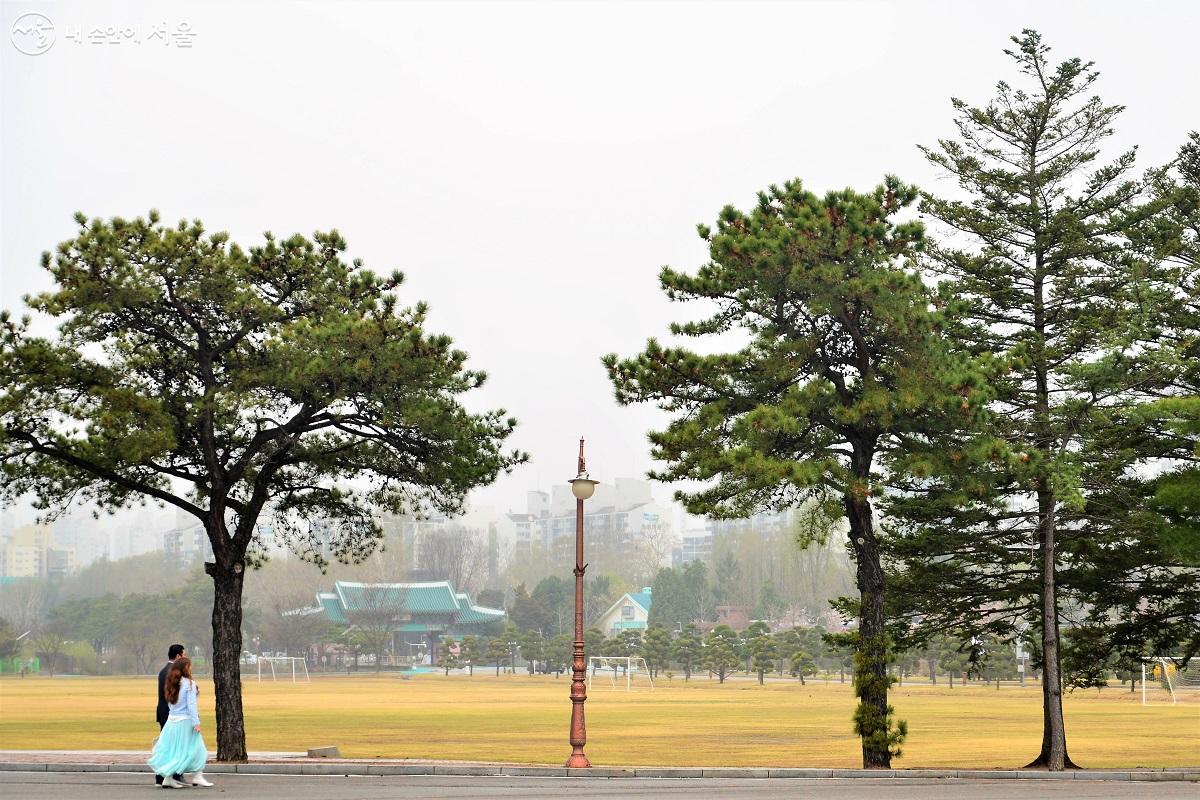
582 486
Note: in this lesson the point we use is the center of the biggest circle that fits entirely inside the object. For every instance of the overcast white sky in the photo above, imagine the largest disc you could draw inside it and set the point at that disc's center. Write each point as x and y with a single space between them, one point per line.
529 166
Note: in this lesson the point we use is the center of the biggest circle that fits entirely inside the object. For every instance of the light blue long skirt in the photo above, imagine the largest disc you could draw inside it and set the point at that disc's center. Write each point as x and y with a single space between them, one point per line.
179 749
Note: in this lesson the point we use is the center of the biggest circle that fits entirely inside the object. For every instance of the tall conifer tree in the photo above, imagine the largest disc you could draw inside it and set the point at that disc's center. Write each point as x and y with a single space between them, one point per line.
1143 590
1035 256
839 359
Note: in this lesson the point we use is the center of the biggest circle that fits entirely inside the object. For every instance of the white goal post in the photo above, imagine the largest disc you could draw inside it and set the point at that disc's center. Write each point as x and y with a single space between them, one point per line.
279 666
631 666
1172 675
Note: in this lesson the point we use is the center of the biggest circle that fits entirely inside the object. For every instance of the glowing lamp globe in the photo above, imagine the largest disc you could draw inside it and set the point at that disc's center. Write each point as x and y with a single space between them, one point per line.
582 486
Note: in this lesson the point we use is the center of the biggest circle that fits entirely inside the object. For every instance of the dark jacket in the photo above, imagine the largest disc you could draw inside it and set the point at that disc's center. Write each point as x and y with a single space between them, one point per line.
163 710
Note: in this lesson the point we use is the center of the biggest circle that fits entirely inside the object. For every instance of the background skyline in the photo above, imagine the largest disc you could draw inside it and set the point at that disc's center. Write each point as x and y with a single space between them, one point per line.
529 180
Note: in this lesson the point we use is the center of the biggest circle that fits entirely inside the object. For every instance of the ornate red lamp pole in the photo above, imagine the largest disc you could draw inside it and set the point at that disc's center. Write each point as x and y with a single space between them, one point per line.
582 487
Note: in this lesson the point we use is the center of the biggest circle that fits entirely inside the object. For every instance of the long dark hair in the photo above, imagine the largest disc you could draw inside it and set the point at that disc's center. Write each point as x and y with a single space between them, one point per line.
180 668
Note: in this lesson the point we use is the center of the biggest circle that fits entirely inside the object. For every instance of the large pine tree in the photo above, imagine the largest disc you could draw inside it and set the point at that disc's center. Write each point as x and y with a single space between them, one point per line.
232 384
1035 255
838 359
1143 588
1170 240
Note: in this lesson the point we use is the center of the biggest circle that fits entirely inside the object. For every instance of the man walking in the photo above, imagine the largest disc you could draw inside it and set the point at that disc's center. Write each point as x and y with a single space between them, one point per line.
174 652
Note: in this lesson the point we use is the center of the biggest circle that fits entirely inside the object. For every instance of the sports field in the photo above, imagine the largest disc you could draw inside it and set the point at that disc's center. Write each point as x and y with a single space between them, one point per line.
517 718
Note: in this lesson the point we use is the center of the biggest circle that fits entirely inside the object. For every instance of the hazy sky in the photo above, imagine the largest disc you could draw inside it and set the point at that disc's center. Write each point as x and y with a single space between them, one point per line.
530 166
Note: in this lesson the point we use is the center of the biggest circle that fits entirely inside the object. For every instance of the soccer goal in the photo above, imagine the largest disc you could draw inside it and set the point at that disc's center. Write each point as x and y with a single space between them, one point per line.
615 667
1170 676
279 667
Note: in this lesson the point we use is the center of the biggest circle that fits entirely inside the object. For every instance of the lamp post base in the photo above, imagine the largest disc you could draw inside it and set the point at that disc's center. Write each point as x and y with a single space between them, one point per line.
578 761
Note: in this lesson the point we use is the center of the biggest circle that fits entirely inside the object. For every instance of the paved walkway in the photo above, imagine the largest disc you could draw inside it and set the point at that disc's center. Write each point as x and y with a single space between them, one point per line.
124 786
289 763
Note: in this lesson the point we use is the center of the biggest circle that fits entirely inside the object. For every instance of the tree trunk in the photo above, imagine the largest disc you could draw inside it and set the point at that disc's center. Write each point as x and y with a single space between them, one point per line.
870 667
1053 755
932 672
226 657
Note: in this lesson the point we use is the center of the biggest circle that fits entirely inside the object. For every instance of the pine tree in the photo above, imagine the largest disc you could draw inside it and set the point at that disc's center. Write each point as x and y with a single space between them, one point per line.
746 641
686 649
1143 585
627 643
471 651
720 651
230 384
448 659
787 643
526 612
559 652
533 649
802 664
841 359
497 652
1042 290
656 648
765 650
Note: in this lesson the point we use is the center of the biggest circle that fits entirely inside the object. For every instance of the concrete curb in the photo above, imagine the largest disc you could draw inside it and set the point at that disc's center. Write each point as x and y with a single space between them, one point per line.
514 771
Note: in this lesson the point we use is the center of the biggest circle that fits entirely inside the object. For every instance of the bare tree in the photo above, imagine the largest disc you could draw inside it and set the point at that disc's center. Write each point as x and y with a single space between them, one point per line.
49 643
24 603
654 550
285 592
146 622
373 616
456 554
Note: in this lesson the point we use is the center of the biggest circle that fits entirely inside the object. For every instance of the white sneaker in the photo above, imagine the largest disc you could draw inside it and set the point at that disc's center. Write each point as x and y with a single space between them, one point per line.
196 779
171 783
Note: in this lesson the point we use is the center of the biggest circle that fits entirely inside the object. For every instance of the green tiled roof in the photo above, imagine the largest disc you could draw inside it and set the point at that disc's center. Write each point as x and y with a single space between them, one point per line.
403 598
629 624
642 598
470 614
332 608
415 606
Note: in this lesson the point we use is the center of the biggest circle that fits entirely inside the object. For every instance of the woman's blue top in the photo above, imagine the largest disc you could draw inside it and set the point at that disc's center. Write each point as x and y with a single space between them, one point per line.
185 705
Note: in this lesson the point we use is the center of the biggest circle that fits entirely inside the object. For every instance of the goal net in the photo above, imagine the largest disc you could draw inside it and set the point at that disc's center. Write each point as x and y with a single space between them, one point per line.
279 668
619 668
1164 677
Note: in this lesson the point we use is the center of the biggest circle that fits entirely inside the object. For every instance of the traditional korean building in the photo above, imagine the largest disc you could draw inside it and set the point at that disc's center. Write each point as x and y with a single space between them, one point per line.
419 615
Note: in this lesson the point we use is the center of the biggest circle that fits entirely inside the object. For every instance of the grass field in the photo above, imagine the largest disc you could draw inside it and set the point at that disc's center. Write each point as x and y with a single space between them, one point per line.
523 719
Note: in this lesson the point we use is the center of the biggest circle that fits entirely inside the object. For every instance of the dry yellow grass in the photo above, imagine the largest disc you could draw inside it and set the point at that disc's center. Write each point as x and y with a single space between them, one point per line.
523 719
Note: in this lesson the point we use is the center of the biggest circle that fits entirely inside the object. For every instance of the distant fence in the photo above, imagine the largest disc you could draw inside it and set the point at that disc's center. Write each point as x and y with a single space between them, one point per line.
32 666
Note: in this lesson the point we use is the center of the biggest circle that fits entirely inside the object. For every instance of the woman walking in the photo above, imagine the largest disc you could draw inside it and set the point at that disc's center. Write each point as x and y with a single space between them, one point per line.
180 747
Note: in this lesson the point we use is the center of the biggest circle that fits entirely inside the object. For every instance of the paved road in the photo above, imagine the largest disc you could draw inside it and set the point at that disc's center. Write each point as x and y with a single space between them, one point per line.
121 786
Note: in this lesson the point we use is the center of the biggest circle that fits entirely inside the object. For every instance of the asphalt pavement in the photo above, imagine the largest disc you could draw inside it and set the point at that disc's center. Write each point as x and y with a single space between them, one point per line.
123 786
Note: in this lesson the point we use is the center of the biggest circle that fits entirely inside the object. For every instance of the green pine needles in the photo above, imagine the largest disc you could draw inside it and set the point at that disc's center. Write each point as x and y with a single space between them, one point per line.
280 381
842 359
879 728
